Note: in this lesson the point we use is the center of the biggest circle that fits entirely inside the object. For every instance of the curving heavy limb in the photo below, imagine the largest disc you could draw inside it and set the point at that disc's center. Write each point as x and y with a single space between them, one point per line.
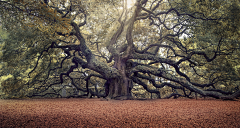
185 83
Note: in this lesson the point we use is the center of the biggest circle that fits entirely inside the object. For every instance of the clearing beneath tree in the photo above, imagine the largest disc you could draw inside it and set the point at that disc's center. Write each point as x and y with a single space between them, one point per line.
115 113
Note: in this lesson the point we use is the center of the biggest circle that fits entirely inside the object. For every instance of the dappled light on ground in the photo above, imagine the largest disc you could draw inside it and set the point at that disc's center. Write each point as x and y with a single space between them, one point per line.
115 113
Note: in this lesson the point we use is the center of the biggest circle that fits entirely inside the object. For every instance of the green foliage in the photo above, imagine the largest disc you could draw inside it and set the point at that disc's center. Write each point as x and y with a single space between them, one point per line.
38 42
21 49
220 36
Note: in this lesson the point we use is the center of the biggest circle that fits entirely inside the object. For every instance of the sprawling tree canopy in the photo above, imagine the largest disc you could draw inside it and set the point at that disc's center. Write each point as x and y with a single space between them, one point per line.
108 48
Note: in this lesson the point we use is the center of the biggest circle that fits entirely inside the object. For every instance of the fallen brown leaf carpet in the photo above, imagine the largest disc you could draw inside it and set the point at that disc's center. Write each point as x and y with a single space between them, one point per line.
92 113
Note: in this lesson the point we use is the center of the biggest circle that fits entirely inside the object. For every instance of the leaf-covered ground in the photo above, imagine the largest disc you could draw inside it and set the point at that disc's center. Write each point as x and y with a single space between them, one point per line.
115 113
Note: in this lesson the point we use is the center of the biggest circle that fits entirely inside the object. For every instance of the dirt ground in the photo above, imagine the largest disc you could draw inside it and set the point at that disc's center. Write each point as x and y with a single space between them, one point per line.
72 112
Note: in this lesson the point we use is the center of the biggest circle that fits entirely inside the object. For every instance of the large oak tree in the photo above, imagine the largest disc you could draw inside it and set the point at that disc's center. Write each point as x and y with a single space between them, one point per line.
189 46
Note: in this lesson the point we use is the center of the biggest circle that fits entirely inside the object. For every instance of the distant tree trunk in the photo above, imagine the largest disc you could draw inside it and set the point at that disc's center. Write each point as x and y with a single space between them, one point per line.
63 91
196 95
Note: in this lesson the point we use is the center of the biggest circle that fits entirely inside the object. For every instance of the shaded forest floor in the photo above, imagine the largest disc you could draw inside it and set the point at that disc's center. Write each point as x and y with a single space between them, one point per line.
114 113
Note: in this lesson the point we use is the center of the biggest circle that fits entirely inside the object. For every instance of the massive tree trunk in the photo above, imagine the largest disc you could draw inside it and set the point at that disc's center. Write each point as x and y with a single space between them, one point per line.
119 87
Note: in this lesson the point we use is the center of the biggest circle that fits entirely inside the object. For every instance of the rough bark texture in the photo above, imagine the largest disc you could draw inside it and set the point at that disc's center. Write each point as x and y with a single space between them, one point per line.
115 113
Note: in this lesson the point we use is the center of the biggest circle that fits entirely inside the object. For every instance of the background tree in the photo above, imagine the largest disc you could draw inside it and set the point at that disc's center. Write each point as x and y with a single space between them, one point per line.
103 43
